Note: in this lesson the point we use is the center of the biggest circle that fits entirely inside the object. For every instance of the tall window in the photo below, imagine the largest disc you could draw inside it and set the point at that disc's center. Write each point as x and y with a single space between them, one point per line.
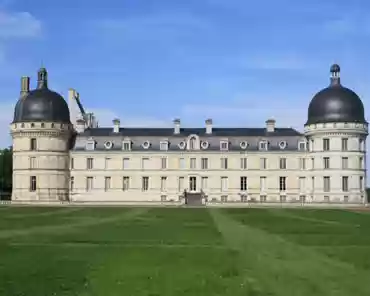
107 183
361 185
33 184
344 144
32 162
326 184
224 164
243 163
72 183
33 145
163 183
204 163
302 163
90 163
193 143
204 184
72 163
181 184
361 144
263 163
163 145
145 163
89 183
193 163
361 162
107 163
344 162
125 183
145 184
312 162
326 144
345 184
224 145
224 184
126 145
326 163
302 184
182 163
282 183
282 163
164 163
125 164
243 183
262 183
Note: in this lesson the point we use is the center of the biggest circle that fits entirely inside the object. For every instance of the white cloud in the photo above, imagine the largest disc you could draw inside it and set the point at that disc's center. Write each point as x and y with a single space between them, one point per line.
19 25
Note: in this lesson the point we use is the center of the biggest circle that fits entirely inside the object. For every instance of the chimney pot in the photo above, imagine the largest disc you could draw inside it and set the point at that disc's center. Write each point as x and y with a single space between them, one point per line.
80 125
116 125
176 123
270 125
209 126
25 85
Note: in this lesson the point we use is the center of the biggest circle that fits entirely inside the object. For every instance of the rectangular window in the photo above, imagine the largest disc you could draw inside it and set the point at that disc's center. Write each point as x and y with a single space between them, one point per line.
32 162
345 184
361 185
263 198
224 163
326 184
243 183
182 163
164 163
302 146
344 162
163 145
33 184
224 184
326 163
243 163
204 163
89 183
33 145
224 145
326 144
302 163
262 183
145 184
192 183
107 183
125 164
361 144
283 163
204 183
313 183
263 163
90 163
344 144
282 183
193 163
312 163
361 162
163 183
126 145
145 163
107 163
181 184
302 184
72 183
72 163
125 183
263 145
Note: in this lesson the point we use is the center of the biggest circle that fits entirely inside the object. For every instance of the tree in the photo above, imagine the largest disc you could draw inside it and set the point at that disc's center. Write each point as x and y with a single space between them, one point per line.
6 173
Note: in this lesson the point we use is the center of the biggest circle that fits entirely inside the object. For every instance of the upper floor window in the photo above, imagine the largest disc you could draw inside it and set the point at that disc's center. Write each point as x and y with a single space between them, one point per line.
33 145
224 145
243 163
204 163
90 144
192 143
282 163
302 146
361 144
263 145
344 144
326 144
126 145
163 145
90 163
263 163
224 164
326 163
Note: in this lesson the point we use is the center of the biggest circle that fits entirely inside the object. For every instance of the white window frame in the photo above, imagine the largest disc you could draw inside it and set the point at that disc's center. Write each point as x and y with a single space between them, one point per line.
261 143
182 145
163 145
304 143
126 142
146 144
224 142
204 144
90 145
243 145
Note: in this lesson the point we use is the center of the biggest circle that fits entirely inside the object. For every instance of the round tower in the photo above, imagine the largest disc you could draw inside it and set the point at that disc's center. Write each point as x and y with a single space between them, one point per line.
336 132
41 131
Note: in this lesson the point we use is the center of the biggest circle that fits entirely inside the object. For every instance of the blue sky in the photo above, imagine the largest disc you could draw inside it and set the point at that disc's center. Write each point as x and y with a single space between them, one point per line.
149 61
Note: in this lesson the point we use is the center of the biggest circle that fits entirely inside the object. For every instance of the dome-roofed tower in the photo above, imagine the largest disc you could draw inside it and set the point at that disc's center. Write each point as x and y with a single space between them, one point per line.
41 132
335 103
336 131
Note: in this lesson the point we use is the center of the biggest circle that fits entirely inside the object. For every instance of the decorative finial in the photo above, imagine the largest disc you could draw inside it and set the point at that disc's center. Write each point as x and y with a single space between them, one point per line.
335 74
42 78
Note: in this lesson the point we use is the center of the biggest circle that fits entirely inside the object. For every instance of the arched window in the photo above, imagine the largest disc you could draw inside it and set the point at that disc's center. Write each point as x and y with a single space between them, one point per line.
193 143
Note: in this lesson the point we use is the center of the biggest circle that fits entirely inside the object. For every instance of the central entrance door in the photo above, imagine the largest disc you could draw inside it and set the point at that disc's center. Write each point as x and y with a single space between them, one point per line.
193 184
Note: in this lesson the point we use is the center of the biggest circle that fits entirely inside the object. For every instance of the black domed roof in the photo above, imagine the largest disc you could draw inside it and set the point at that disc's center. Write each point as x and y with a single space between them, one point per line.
336 103
42 104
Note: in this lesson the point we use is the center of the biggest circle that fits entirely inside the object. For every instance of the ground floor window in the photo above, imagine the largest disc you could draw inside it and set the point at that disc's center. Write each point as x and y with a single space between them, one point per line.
145 184
244 198
224 198
125 183
282 198
72 185
89 183
302 198
326 198
33 183
345 199
263 198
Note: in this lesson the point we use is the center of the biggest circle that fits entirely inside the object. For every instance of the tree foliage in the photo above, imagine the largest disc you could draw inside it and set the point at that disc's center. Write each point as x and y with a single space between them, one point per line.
6 172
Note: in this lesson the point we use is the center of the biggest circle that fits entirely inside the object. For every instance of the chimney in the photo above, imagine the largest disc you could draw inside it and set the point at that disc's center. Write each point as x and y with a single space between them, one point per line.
116 125
176 122
270 125
80 125
209 126
25 86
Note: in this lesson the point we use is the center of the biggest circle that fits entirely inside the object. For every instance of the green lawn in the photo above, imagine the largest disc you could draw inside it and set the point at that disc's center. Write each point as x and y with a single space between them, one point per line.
177 251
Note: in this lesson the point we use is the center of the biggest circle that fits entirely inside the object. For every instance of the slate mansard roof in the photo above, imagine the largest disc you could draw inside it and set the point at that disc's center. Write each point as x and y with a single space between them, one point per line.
234 136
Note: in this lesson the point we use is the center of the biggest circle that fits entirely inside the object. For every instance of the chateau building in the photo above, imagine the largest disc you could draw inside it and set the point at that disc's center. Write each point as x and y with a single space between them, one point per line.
61 156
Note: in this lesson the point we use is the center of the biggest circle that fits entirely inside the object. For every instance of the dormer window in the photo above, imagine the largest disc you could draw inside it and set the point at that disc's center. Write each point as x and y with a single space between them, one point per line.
146 145
302 146
224 145
282 145
126 145
163 145
263 145
90 144
193 143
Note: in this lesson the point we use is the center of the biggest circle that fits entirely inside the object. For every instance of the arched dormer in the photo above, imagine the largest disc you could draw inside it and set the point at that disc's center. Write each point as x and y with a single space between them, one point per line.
193 142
